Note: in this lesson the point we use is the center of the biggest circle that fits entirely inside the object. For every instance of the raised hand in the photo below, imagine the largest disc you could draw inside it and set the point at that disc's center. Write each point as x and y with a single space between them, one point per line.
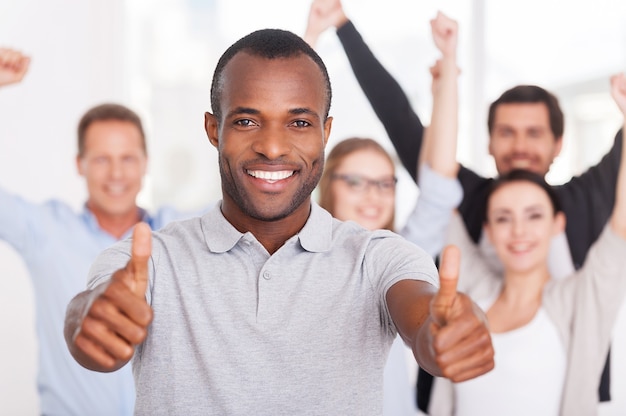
460 338
323 15
445 34
13 66
118 315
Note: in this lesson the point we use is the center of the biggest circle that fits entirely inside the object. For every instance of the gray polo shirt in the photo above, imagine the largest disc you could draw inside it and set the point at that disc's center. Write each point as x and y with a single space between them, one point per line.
236 331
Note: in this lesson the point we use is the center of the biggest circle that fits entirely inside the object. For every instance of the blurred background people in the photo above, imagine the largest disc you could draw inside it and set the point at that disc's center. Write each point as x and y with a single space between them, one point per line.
550 334
526 127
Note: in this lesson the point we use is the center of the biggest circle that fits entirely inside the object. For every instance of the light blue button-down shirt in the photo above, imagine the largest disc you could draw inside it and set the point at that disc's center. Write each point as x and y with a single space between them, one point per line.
58 246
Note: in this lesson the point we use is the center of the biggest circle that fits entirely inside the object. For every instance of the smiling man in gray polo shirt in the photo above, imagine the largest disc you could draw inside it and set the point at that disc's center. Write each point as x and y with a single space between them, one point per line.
267 305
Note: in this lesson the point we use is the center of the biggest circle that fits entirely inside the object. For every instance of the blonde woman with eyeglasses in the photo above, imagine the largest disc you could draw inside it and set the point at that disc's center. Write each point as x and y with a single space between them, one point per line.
359 184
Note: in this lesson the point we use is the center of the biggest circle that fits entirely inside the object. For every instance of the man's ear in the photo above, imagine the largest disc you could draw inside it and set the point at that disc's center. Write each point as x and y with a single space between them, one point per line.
327 126
558 146
211 128
490 146
79 165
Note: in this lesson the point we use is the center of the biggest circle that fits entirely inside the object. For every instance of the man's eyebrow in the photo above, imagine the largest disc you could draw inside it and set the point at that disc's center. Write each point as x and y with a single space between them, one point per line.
303 110
253 111
242 110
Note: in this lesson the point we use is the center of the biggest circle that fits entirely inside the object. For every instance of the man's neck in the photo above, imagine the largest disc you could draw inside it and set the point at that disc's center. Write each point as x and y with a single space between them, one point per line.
271 234
116 225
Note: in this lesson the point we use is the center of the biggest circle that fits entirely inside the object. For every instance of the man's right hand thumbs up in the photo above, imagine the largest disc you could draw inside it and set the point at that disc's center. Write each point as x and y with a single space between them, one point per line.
118 316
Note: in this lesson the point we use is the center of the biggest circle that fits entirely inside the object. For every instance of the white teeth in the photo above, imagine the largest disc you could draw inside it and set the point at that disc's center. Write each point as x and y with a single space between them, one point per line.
520 247
116 189
270 176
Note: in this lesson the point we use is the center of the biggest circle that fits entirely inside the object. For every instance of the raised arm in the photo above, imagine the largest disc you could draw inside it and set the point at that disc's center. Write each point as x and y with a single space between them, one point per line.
19 219
103 325
446 330
590 199
13 66
385 95
618 217
440 191
440 140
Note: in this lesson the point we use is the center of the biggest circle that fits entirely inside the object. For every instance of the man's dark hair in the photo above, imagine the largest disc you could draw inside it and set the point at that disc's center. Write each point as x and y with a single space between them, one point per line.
522 175
530 94
106 112
270 44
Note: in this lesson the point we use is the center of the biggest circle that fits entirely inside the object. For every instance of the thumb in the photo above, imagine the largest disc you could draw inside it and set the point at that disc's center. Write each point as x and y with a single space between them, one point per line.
137 266
448 278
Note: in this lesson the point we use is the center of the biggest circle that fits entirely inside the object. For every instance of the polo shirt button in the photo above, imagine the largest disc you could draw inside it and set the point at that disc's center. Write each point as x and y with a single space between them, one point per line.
267 275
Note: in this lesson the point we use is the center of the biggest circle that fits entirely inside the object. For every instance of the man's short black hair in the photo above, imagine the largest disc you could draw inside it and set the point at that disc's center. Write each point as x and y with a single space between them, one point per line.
270 44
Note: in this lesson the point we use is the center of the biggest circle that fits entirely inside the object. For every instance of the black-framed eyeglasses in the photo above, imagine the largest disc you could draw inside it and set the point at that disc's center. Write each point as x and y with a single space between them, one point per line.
359 183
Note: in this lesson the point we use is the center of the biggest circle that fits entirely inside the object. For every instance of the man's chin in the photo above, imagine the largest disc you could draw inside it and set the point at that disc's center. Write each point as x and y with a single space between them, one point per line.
268 215
532 167
118 211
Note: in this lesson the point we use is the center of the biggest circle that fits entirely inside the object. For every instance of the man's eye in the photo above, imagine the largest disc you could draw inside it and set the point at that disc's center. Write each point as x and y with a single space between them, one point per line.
245 122
504 132
301 123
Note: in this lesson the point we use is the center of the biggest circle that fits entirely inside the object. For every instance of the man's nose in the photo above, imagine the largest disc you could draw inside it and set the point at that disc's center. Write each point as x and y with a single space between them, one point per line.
520 144
117 168
272 143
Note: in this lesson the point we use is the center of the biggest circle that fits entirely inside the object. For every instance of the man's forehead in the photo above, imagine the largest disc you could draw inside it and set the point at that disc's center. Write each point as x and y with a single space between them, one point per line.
522 108
244 62
514 113
250 77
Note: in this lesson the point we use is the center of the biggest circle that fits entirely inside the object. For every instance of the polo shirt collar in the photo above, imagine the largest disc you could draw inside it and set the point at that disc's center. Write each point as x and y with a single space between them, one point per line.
221 236
317 233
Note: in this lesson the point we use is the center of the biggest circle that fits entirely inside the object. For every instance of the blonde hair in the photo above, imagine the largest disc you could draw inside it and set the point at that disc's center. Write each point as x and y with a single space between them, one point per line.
334 159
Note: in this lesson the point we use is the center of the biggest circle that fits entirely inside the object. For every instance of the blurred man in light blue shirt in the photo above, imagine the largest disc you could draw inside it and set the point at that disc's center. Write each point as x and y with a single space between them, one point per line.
58 246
